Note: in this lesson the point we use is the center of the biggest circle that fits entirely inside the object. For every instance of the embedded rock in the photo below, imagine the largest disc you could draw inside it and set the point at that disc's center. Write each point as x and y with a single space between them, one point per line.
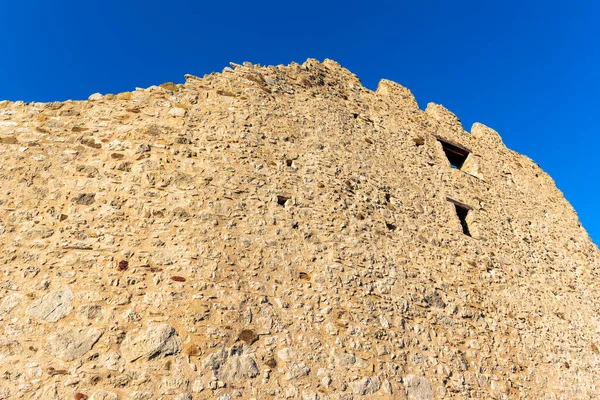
9 303
10 348
366 386
342 359
435 300
232 365
156 342
95 97
104 395
69 344
53 306
238 367
418 388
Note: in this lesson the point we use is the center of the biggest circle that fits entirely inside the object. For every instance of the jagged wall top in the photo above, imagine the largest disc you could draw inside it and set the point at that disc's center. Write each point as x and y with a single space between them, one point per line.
283 78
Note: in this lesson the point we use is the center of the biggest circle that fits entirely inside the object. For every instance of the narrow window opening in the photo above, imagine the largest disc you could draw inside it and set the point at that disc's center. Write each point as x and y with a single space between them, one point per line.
462 213
456 155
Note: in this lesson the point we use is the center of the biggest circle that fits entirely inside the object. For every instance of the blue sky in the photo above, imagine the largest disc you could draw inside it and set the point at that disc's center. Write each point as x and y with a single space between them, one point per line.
529 69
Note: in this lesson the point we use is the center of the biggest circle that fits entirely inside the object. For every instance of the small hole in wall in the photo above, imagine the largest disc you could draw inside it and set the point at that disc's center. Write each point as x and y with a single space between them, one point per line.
289 162
456 155
282 199
304 276
419 141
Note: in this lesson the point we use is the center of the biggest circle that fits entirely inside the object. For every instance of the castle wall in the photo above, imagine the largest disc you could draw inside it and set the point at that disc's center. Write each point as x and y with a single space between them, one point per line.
278 232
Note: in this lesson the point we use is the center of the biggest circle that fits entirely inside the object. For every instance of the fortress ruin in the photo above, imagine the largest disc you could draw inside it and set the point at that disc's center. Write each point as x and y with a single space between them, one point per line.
283 232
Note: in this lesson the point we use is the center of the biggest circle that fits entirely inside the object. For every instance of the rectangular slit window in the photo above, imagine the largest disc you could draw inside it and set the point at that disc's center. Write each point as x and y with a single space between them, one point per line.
456 155
462 212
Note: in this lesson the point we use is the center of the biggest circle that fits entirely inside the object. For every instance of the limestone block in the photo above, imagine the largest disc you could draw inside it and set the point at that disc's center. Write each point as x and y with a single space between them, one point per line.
69 344
53 306
155 342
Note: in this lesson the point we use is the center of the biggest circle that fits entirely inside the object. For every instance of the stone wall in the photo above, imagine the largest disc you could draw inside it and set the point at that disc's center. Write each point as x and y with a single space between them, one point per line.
283 232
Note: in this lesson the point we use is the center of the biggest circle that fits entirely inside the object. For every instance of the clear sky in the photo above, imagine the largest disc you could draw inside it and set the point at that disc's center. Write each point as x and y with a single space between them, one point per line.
529 69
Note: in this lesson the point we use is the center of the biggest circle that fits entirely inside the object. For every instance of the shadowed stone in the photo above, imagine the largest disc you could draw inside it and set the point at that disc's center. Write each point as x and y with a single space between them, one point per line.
434 299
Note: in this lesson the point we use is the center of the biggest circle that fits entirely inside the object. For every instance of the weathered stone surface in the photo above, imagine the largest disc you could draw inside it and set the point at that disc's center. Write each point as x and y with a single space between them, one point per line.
238 367
435 300
9 303
296 371
5 393
386 386
85 199
418 388
283 231
142 396
10 348
231 365
69 344
48 392
53 306
155 342
104 395
366 386
95 97
342 359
